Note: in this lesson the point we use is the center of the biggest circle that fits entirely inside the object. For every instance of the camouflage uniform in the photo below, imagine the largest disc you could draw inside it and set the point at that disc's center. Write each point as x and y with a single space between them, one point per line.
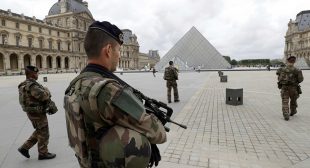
171 75
289 78
116 132
33 97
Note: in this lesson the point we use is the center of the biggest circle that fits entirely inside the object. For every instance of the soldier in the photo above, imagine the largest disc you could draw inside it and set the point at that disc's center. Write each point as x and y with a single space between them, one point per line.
289 78
36 102
107 124
171 75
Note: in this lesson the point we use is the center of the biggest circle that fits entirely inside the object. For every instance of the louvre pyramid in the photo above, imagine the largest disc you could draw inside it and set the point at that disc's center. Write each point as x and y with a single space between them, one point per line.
191 51
302 63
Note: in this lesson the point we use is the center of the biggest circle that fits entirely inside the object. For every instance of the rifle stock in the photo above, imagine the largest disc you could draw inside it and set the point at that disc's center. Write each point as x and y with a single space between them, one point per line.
155 107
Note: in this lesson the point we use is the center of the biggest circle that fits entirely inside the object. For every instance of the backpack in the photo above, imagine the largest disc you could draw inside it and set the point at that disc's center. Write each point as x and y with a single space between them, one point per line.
25 98
288 76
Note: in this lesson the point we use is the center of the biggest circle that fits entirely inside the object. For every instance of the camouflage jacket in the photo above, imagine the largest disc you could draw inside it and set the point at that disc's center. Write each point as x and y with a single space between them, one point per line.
93 99
32 96
289 75
171 73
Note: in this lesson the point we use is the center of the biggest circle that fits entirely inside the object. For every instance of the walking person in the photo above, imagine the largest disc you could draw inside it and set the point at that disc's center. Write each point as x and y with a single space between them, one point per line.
171 76
289 78
36 102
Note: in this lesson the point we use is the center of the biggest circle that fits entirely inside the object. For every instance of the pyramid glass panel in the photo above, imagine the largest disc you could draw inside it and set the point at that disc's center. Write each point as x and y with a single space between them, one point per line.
193 50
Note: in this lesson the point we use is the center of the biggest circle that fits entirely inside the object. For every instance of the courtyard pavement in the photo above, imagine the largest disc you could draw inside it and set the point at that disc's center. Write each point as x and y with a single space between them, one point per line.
252 135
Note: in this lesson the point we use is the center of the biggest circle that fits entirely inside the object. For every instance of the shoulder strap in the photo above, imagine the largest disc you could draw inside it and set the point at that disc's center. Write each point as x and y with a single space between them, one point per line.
94 91
82 75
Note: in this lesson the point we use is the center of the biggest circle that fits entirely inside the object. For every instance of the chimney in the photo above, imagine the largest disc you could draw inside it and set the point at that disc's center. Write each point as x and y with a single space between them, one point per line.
85 3
63 6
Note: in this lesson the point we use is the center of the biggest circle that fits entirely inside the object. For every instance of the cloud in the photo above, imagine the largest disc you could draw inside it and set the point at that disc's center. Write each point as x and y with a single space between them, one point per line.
240 28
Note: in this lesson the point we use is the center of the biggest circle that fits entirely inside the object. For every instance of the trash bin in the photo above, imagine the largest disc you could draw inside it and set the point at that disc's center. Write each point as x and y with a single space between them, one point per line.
234 96
44 79
223 78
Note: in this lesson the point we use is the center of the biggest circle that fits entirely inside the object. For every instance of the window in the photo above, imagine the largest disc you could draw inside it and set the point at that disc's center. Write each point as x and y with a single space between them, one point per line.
3 22
17 25
50 32
41 43
69 46
58 34
4 39
59 45
79 47
68 34
29 42
29 27
17 40
50 44
40 30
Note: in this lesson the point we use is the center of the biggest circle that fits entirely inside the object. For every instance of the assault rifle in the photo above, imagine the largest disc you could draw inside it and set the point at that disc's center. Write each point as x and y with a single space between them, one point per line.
155 107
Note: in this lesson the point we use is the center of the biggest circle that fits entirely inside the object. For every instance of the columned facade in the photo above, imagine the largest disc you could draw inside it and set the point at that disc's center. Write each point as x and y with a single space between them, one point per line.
55 44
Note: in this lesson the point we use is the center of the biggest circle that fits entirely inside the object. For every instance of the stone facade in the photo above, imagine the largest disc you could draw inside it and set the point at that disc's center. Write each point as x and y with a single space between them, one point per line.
149 60
55 44
297 39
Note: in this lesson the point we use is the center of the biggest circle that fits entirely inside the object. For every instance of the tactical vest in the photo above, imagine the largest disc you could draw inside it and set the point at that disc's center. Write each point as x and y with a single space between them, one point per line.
81 97
288 76
26 100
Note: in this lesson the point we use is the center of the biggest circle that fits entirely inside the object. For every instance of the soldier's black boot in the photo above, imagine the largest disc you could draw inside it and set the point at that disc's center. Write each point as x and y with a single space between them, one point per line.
24 152
286 116
176 100
47 156
293 112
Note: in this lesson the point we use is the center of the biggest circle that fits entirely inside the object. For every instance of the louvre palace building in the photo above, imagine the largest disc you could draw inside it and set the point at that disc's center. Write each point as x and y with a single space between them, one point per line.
297 39
55 44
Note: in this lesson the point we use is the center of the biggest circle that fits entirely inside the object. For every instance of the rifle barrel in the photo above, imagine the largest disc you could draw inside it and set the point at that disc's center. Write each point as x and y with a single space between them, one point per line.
181 125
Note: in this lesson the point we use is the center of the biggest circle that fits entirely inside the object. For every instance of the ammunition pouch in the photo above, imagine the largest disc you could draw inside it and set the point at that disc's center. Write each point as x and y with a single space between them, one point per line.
279 85
299 89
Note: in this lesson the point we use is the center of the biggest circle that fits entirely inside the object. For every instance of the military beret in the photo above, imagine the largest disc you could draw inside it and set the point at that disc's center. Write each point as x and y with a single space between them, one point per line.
291 57
110 29
32 68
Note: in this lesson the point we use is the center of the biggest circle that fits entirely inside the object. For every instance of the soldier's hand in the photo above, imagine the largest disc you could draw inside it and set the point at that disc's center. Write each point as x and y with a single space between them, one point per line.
155 156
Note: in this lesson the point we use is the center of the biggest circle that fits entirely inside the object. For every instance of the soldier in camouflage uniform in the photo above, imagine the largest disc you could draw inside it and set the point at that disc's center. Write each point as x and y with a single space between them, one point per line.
107 124
34 99
289 78
171 76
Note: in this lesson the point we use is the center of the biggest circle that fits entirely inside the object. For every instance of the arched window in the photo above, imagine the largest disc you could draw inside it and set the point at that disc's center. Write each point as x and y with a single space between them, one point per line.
39 61
58 62
1 62
49 62
14 61
67 63
27 60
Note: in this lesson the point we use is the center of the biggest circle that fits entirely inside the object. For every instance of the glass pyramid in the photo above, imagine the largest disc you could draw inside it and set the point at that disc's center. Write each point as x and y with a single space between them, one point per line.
193 50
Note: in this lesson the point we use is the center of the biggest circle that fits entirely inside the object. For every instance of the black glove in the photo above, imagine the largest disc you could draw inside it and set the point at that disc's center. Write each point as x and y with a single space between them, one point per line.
51 107
155 156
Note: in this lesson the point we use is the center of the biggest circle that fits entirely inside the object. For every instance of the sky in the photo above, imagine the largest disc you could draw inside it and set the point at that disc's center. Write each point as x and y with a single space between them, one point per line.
241 29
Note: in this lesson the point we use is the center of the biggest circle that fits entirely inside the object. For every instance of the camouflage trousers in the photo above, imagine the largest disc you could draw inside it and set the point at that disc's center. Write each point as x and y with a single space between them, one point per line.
40 135
172 84
289 97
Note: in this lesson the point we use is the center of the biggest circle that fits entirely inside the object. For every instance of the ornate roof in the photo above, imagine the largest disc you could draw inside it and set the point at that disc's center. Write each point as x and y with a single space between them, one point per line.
75 6
303 20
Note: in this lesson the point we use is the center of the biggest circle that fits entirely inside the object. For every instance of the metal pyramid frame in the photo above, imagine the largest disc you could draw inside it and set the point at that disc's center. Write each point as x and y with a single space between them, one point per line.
193 50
